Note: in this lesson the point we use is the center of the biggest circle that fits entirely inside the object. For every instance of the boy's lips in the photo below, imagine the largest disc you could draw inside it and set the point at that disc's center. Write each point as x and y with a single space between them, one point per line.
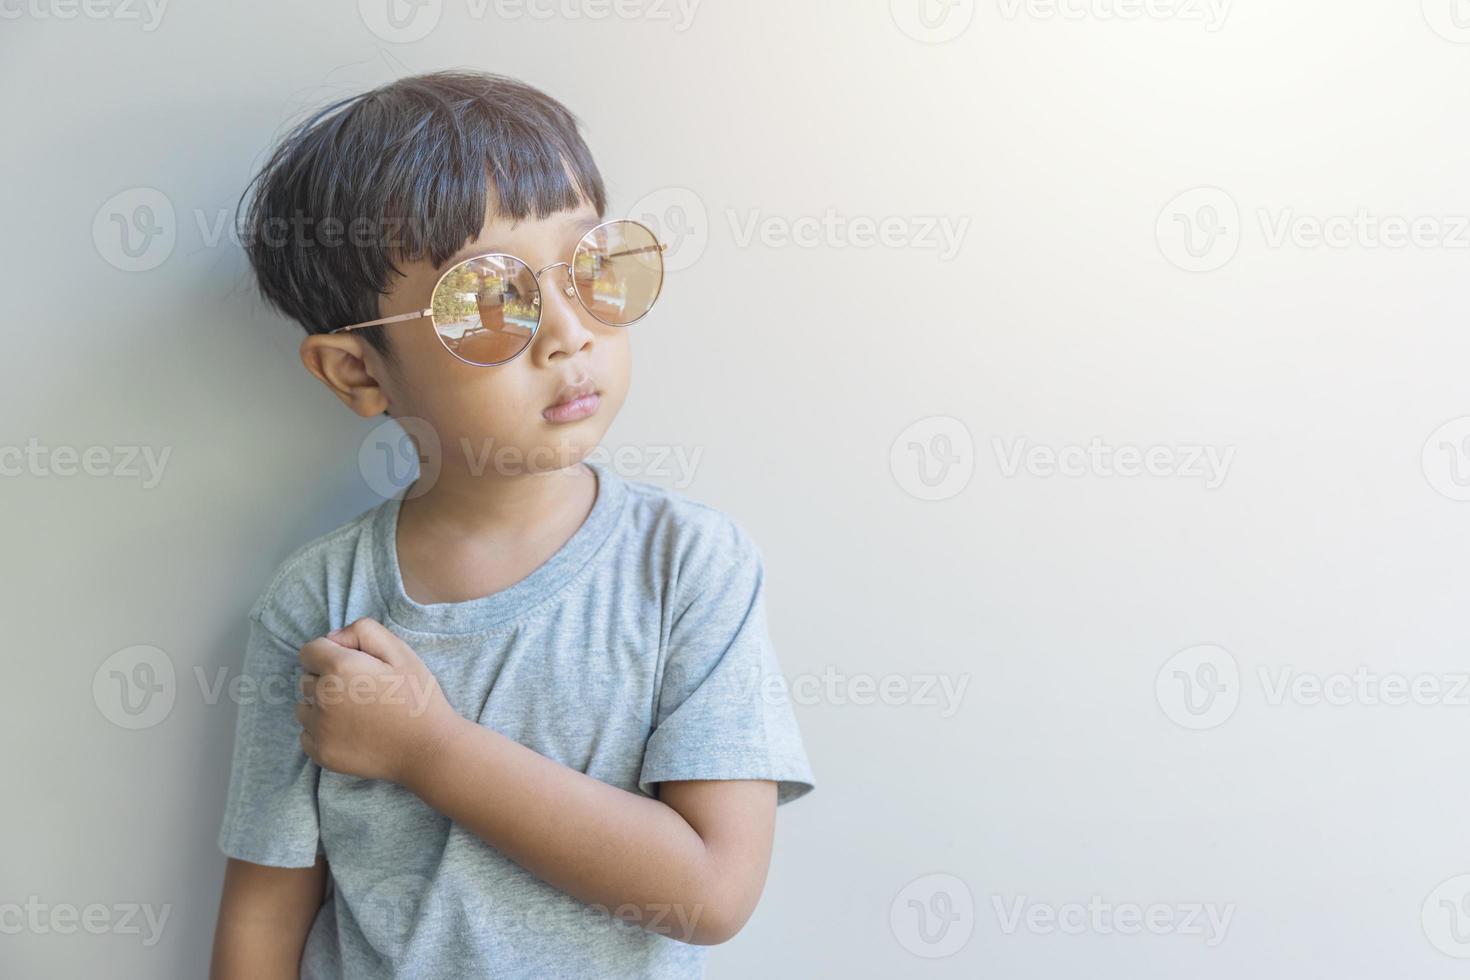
573 402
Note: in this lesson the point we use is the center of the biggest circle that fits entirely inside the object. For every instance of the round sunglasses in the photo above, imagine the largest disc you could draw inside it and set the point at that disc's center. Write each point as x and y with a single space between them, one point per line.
486 310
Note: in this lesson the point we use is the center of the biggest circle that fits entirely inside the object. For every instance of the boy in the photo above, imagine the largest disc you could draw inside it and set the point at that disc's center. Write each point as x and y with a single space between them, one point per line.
535 735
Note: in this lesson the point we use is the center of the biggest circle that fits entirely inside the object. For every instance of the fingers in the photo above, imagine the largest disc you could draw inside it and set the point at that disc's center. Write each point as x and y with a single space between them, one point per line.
306 687
345 636
320 656
369 636
308 745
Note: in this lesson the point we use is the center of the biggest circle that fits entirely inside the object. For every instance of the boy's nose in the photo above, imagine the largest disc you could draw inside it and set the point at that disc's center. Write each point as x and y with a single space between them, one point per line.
562 329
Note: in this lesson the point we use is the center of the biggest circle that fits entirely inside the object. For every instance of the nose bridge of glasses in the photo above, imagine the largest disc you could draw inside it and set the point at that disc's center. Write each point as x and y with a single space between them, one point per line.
541 272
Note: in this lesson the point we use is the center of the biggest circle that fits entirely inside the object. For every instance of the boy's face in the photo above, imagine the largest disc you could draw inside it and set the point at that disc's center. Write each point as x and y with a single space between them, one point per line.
490 420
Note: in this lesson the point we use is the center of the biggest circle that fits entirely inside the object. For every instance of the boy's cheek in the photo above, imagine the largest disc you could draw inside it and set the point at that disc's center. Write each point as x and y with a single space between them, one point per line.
471 412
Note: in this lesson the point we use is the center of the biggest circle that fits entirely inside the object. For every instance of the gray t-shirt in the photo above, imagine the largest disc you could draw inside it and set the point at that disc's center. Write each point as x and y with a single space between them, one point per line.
637 653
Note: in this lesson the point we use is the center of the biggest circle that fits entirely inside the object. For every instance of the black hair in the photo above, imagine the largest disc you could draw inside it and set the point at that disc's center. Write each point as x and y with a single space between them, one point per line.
399 173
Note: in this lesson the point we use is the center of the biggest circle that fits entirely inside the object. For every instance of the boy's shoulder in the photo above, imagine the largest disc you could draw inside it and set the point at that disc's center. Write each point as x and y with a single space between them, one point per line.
296 600
687 539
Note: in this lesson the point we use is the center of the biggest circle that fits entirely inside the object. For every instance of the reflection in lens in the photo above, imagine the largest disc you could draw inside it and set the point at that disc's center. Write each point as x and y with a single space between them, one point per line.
486 309
618 270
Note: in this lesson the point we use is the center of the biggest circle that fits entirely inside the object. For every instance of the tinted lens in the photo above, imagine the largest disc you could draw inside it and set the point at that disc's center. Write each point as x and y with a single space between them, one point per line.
486 310
618 270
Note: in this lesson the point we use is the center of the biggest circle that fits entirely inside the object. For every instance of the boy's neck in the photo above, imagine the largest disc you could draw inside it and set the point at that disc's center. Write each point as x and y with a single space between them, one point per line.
470 537
507 507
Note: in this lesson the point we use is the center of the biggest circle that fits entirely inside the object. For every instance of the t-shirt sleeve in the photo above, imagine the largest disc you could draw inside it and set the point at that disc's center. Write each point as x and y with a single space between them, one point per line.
270 811
722 708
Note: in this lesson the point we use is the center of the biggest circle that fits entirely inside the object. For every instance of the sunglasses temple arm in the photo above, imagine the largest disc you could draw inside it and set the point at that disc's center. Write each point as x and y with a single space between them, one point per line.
660 247
388 319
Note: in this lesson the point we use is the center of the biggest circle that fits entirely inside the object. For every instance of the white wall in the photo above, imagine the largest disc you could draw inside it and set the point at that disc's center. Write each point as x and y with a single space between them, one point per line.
1057 149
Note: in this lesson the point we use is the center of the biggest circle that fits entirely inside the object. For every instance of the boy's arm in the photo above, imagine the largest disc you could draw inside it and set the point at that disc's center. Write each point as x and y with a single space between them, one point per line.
690 865
265 914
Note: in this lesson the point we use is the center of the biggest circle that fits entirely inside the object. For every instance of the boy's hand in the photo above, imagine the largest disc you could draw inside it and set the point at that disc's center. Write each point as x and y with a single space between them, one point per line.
371 707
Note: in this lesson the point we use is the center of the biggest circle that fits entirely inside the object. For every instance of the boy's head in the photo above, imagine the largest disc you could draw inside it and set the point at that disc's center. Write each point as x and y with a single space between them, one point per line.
363 206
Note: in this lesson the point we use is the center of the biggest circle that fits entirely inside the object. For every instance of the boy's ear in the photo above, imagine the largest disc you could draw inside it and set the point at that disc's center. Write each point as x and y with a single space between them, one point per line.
340 361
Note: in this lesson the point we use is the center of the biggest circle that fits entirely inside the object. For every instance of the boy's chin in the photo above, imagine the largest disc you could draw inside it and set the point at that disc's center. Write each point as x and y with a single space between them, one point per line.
552 452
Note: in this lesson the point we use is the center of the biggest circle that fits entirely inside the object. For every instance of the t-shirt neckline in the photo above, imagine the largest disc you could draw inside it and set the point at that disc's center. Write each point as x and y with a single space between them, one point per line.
508 603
